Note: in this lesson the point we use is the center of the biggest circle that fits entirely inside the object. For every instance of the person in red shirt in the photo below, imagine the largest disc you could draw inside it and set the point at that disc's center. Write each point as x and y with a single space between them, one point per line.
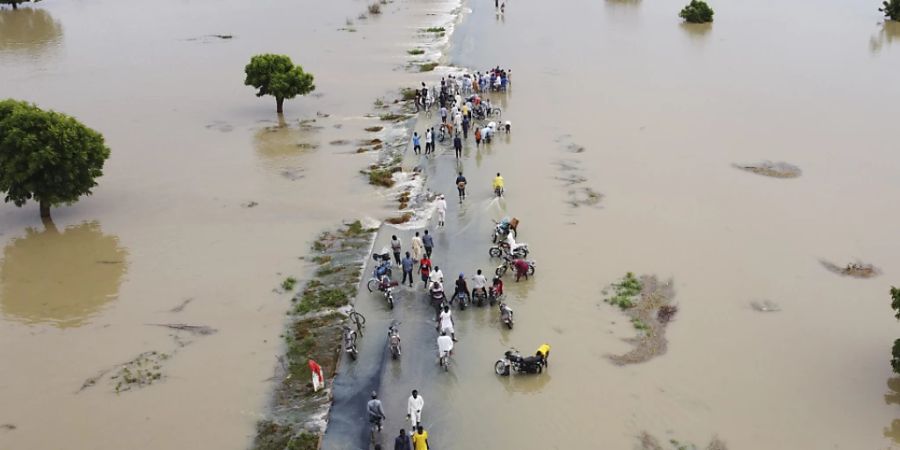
318 379
425 270
521 268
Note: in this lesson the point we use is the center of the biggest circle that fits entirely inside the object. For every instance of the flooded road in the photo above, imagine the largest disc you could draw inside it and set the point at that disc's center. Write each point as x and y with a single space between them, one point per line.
615 97
626 101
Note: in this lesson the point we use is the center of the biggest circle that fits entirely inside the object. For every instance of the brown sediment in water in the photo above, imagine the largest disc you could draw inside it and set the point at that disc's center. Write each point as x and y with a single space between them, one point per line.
855 269
647 318
649 442
297 416
770 169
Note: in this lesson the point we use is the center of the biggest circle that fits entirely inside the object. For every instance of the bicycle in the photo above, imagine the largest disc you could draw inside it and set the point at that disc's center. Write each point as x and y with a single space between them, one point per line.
357 319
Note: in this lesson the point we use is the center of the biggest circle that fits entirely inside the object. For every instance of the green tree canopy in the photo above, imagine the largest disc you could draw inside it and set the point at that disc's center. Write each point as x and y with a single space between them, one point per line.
47 156
15 3
891 9
277 76
697 11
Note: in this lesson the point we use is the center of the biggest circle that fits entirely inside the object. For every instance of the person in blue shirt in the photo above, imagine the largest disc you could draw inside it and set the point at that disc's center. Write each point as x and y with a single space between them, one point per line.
417 147
407 264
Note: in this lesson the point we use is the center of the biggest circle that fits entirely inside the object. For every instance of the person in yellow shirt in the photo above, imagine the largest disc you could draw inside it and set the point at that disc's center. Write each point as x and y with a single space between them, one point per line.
420 439
498 185
544 352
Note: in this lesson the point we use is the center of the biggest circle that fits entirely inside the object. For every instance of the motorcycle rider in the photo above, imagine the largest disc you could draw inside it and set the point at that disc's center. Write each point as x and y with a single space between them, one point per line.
445 324
498 184
497 287
394 337
478 283
375 411
511 243
436 275
461 286
445 345
437 298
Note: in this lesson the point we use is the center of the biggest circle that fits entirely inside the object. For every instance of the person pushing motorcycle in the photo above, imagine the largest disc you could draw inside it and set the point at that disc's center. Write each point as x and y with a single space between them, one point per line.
498 185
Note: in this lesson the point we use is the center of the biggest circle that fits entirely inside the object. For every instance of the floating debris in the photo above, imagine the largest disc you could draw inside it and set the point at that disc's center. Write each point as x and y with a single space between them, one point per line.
765 306
183 304
770 169
855 269
250 204
202 330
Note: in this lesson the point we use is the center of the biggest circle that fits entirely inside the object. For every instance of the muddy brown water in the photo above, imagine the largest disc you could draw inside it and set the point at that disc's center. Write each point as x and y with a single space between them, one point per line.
662 111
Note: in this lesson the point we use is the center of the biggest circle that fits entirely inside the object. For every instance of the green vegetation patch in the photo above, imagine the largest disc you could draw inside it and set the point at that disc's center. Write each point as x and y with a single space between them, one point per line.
289 283
416 51
428 67
625 292
435 30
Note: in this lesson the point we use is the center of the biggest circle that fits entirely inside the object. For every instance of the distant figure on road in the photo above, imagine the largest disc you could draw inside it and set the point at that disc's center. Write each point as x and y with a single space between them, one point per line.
414 408
420 439
395 248
428 241
441 207
418 249
407 264
375 411
402 442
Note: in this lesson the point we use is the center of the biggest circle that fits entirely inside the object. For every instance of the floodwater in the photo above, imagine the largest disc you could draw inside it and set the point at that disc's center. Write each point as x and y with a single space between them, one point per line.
171 223
662 110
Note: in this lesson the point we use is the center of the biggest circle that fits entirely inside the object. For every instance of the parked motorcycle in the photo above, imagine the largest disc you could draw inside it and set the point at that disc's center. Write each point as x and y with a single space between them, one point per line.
506 315
502 249
494 295
350 342
507 265
394 340
512 359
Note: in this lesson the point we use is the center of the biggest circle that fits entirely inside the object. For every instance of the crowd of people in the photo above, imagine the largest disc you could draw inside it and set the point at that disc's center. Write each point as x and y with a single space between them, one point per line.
460 102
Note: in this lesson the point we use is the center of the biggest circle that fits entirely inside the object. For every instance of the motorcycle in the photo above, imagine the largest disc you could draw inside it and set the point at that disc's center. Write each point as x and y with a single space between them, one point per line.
507 263
512 359
462 298
503 228
498 191
389 296
350 342
501 249
506 315
394 340
479 296
493 295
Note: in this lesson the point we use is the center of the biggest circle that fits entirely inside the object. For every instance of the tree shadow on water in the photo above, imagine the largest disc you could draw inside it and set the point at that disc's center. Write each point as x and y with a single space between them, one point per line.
28 31
892 397
60 278
889 32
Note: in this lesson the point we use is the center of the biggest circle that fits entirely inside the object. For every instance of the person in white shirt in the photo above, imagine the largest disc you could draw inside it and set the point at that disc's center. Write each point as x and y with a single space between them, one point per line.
414 408
446 322
479 283
429 141
441 207
445 345
436 275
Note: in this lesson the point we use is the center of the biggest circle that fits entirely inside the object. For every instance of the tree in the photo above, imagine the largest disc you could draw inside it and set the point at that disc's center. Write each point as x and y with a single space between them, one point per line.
895 352
47 156
891 9
697 11
15 3
277 76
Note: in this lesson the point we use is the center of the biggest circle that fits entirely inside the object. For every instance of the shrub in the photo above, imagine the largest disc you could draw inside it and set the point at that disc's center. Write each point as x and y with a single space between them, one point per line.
697 11
891 9
895 352
374 8
428 67
416 51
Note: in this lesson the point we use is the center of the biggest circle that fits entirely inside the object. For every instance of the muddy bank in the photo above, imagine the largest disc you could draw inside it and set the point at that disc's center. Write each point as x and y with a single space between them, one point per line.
647 302
297 415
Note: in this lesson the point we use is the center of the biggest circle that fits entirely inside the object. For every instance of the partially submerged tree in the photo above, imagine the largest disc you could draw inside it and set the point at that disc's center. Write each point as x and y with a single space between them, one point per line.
15 3
47 156
277 76
891 9
895 352
697 11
